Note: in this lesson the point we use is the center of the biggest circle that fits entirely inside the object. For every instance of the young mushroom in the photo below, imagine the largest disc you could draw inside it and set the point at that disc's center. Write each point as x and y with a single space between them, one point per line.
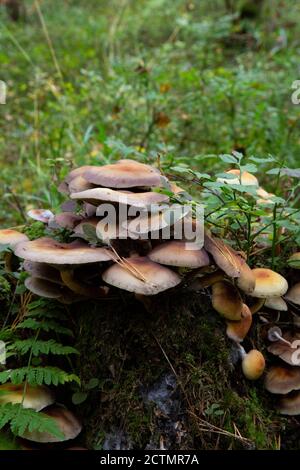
41 215
276 303
238 330
268 283
11 238
246 178
226 300
275 334
37 398
253 363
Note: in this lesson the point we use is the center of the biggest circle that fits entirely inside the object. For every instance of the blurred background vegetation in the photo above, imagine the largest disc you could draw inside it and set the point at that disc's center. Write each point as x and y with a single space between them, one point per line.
90 81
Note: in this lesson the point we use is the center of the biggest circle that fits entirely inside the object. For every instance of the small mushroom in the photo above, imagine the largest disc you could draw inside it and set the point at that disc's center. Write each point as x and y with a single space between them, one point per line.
290 405
293 294
287 350
11 238
67 423
276 303
37 398
179 253
238 330
41 215
224 256
282 380
275 334
268 283
141 275
66 220
253 363
226 300
246 280
247 179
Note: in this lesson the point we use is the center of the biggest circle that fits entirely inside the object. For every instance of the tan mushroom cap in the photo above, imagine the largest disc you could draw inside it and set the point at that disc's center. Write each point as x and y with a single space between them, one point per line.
79 184
139 200
238 330
265 197
276 303
43 288
77 172
224 256
41 215
288 354
47 250
293 294
123 174
268 283
12 237
66 421
294 261
253 364
155 278
290 405
166 217
42 271
179 253
246 179
37 397
282 380
246 281
226 300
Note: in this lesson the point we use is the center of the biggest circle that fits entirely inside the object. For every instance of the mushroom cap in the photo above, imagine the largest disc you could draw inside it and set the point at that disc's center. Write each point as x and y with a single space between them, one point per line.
282 380
77 172
65 220
178 253
43 288
66 421
294 260
47 250
42 271
111 231
153 222
238 330
247 178
93 221
293 294
37 397
226 300
290 405
268 283
224 256
265 197
287 353
123 174
79 184
41 215
276 303
246 280
139 200
157 278
253 364
12 237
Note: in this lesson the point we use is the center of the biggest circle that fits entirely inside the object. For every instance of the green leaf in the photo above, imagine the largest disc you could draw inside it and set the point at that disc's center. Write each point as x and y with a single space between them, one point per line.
38 376
38 347
79 397
45 325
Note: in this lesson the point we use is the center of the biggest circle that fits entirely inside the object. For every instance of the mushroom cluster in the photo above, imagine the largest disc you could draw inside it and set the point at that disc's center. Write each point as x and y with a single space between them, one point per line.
283 378
42 400
131 254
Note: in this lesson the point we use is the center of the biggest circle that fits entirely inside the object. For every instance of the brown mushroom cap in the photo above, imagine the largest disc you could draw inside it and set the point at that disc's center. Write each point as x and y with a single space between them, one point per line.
238 330
156 278
178 253
224 256
77 172
282 380
268 283
42 271
110 231
123 174
290 405
253 364
12 237
246 179
293 294
139 200
65 220
43 288
226 300
79 184
246 280
41 215
284 351
66 422
37 397
294 260
276 303
47 250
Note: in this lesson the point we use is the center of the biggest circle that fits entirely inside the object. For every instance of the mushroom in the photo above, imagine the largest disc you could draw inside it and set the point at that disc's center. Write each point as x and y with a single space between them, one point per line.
67 423
79 184
141 275
293 294
224 256
275 334
43 288
77 172
11 238
253 363
139 200
64 256
238 330
179 253
35 397
123 174
276 303
226 300
294 260
41 215
66 220
282 380
288 349
290 405
268 283
247 179
42 271
246 279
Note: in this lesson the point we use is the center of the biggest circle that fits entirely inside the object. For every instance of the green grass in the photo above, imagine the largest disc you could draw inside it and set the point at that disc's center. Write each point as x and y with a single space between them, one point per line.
175 77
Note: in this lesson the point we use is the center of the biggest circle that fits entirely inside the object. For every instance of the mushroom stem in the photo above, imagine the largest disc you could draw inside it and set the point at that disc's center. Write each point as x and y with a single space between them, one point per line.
8 256
67 276
258 304
206 281
241 350
275 334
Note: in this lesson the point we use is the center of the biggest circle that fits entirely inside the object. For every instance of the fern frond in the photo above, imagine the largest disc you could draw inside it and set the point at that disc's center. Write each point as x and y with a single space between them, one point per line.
37 347
38 376
45 325
21 419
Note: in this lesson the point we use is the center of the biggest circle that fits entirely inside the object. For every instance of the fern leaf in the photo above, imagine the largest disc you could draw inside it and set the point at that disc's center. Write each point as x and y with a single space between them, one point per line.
45 325
38 376
38 347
